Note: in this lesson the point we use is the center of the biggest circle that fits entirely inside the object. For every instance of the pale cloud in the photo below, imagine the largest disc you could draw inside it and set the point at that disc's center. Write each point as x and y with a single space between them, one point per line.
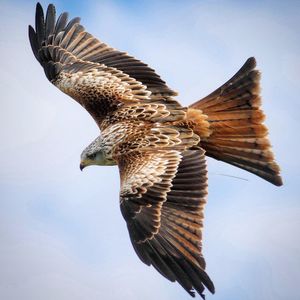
61 233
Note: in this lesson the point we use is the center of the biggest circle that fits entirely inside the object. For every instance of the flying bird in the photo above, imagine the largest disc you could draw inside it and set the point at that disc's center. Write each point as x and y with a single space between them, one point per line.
158 145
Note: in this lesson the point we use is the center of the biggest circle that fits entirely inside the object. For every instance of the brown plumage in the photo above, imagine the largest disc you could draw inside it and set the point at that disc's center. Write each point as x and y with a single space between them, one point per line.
238 135
159 145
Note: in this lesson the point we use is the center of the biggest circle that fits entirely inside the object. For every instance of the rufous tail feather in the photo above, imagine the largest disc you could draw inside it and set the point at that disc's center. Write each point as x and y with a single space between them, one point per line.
230 124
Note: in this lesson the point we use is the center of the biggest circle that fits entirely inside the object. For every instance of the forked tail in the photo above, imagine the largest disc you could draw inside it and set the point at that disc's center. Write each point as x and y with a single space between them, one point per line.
231 125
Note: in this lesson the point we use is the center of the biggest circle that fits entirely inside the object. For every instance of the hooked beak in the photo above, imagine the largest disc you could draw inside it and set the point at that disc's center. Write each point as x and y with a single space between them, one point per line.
82 166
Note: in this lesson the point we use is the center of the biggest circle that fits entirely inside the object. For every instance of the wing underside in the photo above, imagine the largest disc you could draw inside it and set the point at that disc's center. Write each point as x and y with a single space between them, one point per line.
162 199
61 42
102 79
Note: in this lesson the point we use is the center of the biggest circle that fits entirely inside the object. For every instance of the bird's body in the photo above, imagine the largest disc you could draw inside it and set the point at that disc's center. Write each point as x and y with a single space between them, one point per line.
158 145
137 135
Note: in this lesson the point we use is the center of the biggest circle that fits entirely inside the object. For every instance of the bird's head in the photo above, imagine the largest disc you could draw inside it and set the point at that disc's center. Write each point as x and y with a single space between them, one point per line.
94 154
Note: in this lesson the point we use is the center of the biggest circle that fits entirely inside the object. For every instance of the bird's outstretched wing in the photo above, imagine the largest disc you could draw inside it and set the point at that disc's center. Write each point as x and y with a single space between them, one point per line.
97 76
162 197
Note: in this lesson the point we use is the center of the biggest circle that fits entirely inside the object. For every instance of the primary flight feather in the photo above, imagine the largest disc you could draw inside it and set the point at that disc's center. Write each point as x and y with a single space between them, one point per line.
158 145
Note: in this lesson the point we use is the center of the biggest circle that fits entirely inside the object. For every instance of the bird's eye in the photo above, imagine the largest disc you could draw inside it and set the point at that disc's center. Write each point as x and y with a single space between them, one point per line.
92 156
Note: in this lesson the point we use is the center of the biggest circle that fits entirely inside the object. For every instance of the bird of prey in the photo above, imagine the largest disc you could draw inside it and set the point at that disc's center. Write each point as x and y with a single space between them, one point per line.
158 145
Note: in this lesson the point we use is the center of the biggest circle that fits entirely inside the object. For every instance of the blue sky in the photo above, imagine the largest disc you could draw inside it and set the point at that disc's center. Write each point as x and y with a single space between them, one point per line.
61 232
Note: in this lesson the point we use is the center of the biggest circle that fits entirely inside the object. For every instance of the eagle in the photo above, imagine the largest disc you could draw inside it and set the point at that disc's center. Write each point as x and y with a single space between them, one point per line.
158 144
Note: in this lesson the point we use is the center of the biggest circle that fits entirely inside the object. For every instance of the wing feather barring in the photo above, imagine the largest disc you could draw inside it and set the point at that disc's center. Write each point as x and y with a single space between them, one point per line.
158 145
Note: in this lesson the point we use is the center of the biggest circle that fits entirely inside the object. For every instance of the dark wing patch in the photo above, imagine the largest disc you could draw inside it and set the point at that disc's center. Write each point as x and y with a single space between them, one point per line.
166 231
